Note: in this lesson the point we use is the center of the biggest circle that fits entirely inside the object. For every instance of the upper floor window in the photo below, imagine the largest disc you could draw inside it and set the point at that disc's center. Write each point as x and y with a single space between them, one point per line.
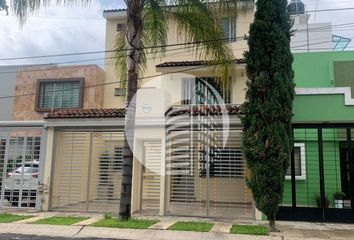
229 28
59 94
205 90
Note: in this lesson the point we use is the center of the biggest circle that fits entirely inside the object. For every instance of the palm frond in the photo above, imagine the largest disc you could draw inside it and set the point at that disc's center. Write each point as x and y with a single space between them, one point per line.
155 27
120 59
23 8
197 23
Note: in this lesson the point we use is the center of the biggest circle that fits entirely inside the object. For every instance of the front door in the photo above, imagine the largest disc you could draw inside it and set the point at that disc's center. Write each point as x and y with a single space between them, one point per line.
151 180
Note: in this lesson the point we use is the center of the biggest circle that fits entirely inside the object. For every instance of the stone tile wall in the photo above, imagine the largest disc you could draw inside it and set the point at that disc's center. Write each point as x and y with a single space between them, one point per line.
26 84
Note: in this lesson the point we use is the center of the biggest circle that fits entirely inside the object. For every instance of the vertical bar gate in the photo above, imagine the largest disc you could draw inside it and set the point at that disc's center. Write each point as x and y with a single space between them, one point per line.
20 162
319 185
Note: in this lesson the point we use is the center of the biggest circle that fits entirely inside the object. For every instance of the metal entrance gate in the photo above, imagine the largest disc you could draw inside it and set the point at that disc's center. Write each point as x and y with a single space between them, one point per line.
320 181
87 170
204 177
20 150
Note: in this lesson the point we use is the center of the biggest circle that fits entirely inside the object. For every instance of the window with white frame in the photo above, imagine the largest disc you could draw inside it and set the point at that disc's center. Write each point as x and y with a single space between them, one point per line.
228 26
300 162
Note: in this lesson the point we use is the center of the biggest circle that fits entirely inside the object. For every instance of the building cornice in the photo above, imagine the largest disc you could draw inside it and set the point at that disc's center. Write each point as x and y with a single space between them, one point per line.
346 91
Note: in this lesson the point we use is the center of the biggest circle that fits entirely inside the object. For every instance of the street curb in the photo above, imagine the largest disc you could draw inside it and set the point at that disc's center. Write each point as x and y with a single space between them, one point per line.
39 229
151 234
120 233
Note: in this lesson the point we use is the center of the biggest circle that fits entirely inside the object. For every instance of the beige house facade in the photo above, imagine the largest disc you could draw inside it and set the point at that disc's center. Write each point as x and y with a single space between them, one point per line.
171 173
187 137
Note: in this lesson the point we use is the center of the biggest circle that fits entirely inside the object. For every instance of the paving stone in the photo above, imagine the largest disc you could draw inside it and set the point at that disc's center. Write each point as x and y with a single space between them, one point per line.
88 222
163 225
30 220
221 227
304 233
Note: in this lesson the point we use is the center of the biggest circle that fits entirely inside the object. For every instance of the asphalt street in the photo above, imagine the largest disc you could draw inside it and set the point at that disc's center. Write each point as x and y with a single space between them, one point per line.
31 237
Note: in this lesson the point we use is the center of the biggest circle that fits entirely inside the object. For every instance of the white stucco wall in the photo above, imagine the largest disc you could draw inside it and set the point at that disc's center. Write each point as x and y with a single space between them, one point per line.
311 37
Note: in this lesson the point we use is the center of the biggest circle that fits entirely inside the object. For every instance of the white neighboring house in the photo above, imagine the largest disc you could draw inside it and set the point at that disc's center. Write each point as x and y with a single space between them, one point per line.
312 37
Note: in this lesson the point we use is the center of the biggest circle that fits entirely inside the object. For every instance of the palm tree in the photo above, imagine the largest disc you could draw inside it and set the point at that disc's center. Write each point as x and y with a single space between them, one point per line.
4 7
147 25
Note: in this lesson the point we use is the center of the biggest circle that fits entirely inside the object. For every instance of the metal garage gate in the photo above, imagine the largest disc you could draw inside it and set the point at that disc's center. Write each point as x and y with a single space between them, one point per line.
20 150
206 178
319 185
87 170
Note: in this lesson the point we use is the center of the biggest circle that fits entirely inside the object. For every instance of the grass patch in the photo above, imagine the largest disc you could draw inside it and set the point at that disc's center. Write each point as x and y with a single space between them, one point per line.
249 229
192 226
8 218
60 220
131 223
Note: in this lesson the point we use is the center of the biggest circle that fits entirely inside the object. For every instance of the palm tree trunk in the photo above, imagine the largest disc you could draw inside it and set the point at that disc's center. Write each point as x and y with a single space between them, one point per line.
133 37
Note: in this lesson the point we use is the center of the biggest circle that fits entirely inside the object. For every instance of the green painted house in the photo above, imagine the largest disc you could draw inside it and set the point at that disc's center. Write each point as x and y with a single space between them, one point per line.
320 181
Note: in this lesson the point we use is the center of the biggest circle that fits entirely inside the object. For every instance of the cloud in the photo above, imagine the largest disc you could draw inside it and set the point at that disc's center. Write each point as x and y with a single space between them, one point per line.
55 30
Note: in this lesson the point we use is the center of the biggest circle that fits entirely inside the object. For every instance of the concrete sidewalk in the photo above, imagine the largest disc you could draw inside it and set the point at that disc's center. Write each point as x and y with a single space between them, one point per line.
306 230
126 234
289 231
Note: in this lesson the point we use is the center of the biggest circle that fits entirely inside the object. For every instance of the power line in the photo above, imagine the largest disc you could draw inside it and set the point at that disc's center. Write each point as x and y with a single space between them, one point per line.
141 78
296 47
331 9
313 29
152 47
25 68
86 60
114 82
126 49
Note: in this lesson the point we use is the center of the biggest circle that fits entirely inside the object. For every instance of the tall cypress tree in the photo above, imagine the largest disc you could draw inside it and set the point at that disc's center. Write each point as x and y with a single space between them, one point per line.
267 140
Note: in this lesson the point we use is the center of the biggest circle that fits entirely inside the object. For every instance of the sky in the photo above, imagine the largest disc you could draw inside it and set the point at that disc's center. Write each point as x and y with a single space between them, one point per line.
56 30
60 30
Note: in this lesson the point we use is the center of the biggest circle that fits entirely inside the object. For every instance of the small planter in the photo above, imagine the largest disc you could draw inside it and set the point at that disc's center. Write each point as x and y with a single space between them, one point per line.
319 202
338 203
339 199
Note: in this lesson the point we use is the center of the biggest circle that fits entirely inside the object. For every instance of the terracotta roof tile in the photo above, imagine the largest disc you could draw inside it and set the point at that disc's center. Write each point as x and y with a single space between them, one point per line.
87 113
203 110
194 63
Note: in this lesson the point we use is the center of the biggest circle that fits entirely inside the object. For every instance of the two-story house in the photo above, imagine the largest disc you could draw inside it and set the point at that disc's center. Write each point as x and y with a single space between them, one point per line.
171 174
28 94
187 156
